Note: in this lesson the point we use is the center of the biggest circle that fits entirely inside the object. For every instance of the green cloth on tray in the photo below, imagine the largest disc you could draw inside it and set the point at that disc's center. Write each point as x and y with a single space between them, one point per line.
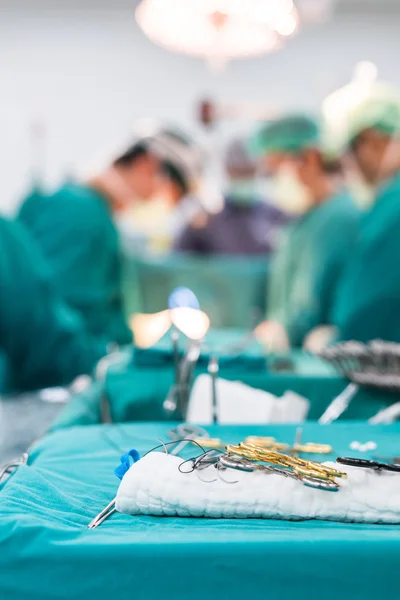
222 342
138 393
47 552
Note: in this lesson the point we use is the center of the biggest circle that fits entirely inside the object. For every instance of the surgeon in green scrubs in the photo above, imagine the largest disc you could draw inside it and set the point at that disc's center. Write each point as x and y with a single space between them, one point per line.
76 232
42 340
315 247
368 302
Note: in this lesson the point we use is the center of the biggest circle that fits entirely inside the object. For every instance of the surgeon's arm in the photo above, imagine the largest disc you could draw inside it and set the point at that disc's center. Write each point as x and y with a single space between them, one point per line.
78 240
378 318
370 308
44 341
272 333
332 249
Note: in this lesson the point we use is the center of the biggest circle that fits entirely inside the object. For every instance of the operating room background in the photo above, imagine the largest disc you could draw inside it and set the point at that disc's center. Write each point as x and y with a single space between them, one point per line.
87 73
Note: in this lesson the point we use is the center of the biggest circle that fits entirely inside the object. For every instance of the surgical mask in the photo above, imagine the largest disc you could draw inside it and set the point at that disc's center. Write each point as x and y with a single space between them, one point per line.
264 187
243 192
390 163
289 193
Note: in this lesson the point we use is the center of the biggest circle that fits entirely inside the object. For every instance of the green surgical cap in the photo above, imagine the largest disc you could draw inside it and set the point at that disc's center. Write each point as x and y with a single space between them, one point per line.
291 134
378 112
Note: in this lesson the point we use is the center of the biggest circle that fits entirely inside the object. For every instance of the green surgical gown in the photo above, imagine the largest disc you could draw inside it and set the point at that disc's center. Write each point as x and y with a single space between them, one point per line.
42 342
368 301
76 233
308 265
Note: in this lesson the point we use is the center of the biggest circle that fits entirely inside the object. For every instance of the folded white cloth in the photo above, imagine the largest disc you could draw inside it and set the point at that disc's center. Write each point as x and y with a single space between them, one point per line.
238 403
155 486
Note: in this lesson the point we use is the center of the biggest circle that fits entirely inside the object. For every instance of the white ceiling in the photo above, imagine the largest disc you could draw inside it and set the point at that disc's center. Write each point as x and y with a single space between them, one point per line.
343 6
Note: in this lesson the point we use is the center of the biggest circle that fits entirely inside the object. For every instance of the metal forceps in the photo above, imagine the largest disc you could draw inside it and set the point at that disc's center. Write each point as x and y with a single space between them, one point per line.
178 395
183 434
243 464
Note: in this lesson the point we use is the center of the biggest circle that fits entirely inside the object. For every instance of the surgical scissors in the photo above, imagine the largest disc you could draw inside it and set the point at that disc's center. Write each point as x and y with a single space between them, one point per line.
297 448
243 464
315 481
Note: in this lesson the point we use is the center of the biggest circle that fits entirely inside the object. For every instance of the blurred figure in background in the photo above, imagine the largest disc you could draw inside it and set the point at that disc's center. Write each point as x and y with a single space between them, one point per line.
75 229
314 249
42 340
369 297
246 225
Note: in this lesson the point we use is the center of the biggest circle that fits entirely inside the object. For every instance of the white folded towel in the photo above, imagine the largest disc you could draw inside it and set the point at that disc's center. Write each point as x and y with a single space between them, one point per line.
238 403
155 486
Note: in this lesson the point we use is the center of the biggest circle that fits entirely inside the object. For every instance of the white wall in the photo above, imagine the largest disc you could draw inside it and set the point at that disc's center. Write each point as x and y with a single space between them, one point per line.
91 74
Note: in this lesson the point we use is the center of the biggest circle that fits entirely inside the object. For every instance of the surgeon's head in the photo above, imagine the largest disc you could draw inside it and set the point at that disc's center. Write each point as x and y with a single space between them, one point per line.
374 138
139 169
181 164
241 173
290 149
175 184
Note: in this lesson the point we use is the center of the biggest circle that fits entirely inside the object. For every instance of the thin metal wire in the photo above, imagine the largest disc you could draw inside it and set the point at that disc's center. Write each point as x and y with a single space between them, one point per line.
219 469
110 508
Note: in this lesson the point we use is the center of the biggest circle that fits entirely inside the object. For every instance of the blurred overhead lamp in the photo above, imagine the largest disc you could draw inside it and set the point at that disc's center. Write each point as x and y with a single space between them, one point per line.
315 11
218 30
193 323
149 329
186 315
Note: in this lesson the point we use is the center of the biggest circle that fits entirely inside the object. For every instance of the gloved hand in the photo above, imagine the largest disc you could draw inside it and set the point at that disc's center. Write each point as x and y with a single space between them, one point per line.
319 338
273 336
